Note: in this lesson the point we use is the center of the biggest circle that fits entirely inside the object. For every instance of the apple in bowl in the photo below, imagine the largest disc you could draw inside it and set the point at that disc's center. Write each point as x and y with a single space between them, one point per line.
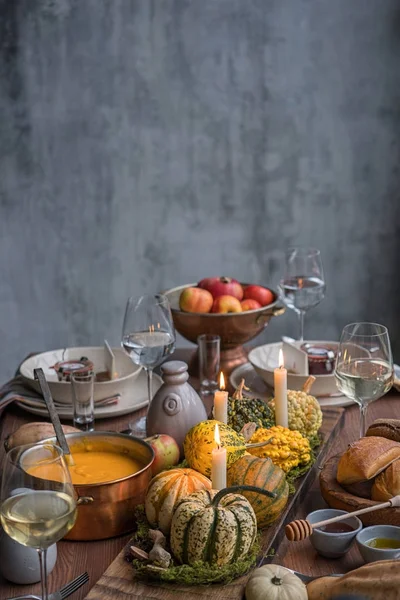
226 304
222 286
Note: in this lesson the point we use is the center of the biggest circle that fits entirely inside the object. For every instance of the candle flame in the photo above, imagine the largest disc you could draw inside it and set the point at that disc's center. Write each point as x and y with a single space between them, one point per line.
216 435
281 361
221 381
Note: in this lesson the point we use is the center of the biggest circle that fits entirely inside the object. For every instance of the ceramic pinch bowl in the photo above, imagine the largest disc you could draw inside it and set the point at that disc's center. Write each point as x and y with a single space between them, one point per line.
333 544
371 554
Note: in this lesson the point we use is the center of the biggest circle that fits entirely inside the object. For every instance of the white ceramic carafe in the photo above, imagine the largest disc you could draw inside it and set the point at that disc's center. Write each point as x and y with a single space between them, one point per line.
19 563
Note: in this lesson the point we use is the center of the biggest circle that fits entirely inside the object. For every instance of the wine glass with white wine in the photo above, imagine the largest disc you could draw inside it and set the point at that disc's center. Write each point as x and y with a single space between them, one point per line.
364 365
37 502
302 285
148 336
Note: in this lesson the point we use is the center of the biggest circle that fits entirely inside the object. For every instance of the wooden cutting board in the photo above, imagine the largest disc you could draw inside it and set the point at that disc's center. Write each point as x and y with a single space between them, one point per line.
117 582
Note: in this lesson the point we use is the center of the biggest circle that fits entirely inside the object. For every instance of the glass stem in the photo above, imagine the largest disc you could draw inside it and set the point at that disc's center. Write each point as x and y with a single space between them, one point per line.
301 320
363 419
43 571
150 383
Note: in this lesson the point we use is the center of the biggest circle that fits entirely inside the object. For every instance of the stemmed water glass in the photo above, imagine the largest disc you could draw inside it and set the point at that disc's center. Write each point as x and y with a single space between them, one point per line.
364 365
37 501
148 336
302 285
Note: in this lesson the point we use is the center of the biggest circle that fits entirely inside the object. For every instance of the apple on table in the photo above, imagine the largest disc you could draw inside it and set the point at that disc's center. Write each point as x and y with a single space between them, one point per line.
166 452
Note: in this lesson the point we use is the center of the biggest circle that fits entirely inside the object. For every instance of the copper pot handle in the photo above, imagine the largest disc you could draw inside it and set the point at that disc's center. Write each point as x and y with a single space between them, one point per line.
275 312
84 500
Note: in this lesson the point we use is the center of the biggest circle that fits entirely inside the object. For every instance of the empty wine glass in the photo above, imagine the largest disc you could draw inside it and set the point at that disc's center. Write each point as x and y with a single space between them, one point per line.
148 336
364 365
37 499
302 285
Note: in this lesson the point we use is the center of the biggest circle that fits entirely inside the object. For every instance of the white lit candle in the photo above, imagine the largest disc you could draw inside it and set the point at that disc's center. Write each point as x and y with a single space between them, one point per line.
280 385
221 402
218 464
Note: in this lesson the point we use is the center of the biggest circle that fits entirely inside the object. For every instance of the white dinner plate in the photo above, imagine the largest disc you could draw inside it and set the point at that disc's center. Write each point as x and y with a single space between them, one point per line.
61 390
259 389
131 400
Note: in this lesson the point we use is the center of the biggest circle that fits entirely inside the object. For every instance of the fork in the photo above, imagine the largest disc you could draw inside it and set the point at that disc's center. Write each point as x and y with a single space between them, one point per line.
62 593
308 578
302 576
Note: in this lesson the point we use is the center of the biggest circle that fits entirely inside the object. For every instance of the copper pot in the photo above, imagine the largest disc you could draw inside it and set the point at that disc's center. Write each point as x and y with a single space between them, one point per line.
235 329
107 509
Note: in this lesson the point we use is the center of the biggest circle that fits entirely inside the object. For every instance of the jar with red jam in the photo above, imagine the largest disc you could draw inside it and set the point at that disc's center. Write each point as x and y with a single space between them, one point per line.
321 359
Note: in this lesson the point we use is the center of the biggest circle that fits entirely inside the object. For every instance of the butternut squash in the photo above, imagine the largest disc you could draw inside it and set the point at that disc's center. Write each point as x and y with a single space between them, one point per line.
374 581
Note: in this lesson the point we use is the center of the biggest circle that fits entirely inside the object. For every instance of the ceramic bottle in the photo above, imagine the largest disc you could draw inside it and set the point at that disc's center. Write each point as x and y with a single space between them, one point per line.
176 407
20 564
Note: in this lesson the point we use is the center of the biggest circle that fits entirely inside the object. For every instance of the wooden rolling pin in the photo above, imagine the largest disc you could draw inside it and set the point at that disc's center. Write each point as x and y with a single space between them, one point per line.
302 529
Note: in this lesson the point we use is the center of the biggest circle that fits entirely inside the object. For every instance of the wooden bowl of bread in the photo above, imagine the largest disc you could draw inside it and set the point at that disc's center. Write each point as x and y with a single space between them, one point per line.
367 474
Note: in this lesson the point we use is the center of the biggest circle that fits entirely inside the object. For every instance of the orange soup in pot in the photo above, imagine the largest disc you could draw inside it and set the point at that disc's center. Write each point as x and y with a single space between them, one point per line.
93 467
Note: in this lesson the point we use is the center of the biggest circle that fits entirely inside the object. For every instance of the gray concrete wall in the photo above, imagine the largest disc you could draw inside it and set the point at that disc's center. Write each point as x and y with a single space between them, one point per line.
149 143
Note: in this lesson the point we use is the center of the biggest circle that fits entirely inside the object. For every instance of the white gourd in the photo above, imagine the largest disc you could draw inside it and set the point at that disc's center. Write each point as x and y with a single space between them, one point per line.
273 582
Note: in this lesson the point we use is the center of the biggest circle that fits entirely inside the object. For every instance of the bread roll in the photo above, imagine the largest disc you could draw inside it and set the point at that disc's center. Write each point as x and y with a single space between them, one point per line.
387 428
387 484
366 458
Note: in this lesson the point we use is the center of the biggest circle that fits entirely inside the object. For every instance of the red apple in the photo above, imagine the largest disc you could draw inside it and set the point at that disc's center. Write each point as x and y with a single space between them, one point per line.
226 304
250 304
222 286
195 300
256 292
166 452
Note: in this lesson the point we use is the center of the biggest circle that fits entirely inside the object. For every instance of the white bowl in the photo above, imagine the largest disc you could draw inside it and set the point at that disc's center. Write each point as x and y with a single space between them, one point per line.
370 554
265 360
61 390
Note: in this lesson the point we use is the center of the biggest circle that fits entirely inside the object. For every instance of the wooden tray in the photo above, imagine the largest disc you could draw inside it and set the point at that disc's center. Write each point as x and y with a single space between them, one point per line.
338 497
118 583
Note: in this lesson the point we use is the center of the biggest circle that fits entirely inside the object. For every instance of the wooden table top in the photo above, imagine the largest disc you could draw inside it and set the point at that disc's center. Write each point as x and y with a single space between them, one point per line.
95 557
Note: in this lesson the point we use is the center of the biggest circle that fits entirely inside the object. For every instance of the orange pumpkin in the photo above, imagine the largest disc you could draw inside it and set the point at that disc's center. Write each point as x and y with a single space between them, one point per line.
166 490
262 473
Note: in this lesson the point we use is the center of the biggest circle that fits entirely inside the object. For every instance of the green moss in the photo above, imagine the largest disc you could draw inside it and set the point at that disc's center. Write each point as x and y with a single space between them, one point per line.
197 574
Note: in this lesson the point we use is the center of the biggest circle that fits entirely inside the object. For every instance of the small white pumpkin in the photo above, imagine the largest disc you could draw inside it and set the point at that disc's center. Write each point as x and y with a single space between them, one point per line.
273 582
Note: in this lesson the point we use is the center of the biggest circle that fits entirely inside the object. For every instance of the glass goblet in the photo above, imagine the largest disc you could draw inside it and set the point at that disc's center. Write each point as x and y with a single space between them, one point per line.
364 365
148 336
302 285
37 500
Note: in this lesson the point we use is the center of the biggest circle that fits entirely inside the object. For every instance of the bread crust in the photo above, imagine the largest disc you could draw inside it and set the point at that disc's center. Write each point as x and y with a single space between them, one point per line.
387 484
365 458
386 428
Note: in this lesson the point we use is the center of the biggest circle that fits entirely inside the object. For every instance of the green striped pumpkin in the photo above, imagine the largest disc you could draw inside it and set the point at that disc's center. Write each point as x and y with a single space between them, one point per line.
166 490
199 443
261 473
213 527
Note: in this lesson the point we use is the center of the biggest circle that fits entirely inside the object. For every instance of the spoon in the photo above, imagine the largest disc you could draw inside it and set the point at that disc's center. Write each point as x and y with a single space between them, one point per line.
55 419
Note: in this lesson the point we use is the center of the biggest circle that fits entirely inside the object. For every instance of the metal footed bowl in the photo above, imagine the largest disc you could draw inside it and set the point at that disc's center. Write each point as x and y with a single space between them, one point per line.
235 329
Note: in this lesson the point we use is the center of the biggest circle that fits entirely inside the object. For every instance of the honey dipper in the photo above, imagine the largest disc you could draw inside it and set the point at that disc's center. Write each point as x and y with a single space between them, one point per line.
302 529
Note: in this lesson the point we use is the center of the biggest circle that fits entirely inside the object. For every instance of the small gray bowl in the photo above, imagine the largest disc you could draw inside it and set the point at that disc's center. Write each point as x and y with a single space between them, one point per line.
333 545
378 531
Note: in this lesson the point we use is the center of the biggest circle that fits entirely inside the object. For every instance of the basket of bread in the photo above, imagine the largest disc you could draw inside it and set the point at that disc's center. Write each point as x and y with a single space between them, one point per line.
366 474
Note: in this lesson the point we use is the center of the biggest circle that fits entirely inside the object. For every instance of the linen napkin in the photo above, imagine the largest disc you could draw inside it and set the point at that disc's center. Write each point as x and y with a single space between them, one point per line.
16 390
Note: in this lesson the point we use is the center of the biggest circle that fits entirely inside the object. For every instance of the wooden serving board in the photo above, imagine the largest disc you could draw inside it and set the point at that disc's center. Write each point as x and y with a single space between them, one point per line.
117 582
340 498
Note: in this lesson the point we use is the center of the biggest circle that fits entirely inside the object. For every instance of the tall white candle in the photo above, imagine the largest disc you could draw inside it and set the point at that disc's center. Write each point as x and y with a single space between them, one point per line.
280 386
218 463
221 402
